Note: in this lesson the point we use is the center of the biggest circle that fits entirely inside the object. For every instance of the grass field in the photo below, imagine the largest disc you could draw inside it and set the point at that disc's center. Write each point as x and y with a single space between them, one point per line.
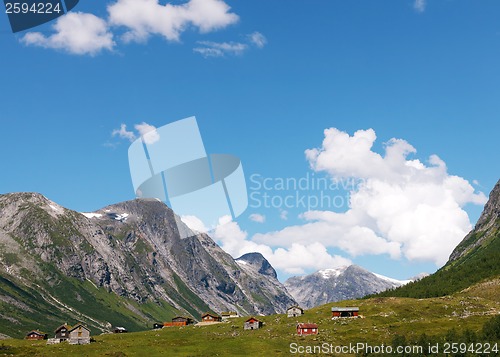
383 319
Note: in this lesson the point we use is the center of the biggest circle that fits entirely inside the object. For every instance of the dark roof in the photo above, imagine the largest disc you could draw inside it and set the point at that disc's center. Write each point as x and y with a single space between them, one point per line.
182 317
36 332
67 327
209 314
78 325
295 306
301 325
344 309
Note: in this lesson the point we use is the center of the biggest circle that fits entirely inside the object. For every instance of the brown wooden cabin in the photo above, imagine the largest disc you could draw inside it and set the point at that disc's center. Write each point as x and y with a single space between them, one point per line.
208 317
36 335
79 335
62 332
179 321
252 324
338 312
307 329
294 311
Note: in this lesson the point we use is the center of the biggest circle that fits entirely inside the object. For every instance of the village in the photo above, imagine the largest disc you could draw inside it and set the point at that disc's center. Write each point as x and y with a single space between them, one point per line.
80 334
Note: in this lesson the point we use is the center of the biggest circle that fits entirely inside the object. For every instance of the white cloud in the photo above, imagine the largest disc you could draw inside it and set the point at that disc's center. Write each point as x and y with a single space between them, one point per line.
143 18
123 133
219 49
419 5
147 132
284 214
194 223
77 33
402 207
295 260
259 218
257 39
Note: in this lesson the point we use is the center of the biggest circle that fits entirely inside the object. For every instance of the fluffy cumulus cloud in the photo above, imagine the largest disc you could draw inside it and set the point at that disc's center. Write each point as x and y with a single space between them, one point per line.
295 259
77 33
401 207
259 218
142 18
137 20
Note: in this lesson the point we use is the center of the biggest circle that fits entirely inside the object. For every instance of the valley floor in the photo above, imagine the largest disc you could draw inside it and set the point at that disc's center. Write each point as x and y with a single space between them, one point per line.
384 318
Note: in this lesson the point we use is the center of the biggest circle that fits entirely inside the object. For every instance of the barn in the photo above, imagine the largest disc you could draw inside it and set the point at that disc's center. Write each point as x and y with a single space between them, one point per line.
179 321
79 335
307 329
338 312
252 324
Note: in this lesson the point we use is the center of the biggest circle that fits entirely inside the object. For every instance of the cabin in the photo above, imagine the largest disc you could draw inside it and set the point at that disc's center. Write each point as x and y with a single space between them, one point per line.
307 329
36 335
157 326
79 335
226 315
252 324
119 329
208 317
338 312
62 332
179 321
294 311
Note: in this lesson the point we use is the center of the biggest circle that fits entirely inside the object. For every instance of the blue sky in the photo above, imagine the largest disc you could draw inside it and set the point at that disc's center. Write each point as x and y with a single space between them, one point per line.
426 74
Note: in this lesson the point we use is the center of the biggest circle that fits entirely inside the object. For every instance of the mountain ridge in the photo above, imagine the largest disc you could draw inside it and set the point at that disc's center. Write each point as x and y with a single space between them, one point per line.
341 283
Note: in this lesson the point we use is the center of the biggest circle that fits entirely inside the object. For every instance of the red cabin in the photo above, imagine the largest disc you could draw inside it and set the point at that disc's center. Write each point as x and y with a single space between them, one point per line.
307 329
345 312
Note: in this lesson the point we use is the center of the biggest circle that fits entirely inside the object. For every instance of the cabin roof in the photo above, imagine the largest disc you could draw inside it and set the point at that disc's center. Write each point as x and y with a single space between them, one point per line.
303 325
344 309
209 314
78 325
296 307
38 332
252 319
66 326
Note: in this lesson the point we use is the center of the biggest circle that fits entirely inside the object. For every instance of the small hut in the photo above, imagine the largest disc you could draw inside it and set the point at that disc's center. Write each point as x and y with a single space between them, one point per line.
36 335
307 329
294 311
252 324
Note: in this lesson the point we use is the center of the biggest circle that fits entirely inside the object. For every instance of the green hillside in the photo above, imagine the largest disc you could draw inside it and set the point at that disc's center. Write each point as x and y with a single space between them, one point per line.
23 309
469 316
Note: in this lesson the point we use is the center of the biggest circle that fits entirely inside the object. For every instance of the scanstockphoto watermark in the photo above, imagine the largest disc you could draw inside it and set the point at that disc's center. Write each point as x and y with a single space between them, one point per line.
308 192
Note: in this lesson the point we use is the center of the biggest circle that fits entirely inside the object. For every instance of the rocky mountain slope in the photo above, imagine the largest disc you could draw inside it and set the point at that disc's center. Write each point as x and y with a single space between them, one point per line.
124 264
475 259
343 283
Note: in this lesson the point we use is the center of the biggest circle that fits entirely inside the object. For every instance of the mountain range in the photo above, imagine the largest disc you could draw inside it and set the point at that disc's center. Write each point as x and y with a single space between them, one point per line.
122 265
